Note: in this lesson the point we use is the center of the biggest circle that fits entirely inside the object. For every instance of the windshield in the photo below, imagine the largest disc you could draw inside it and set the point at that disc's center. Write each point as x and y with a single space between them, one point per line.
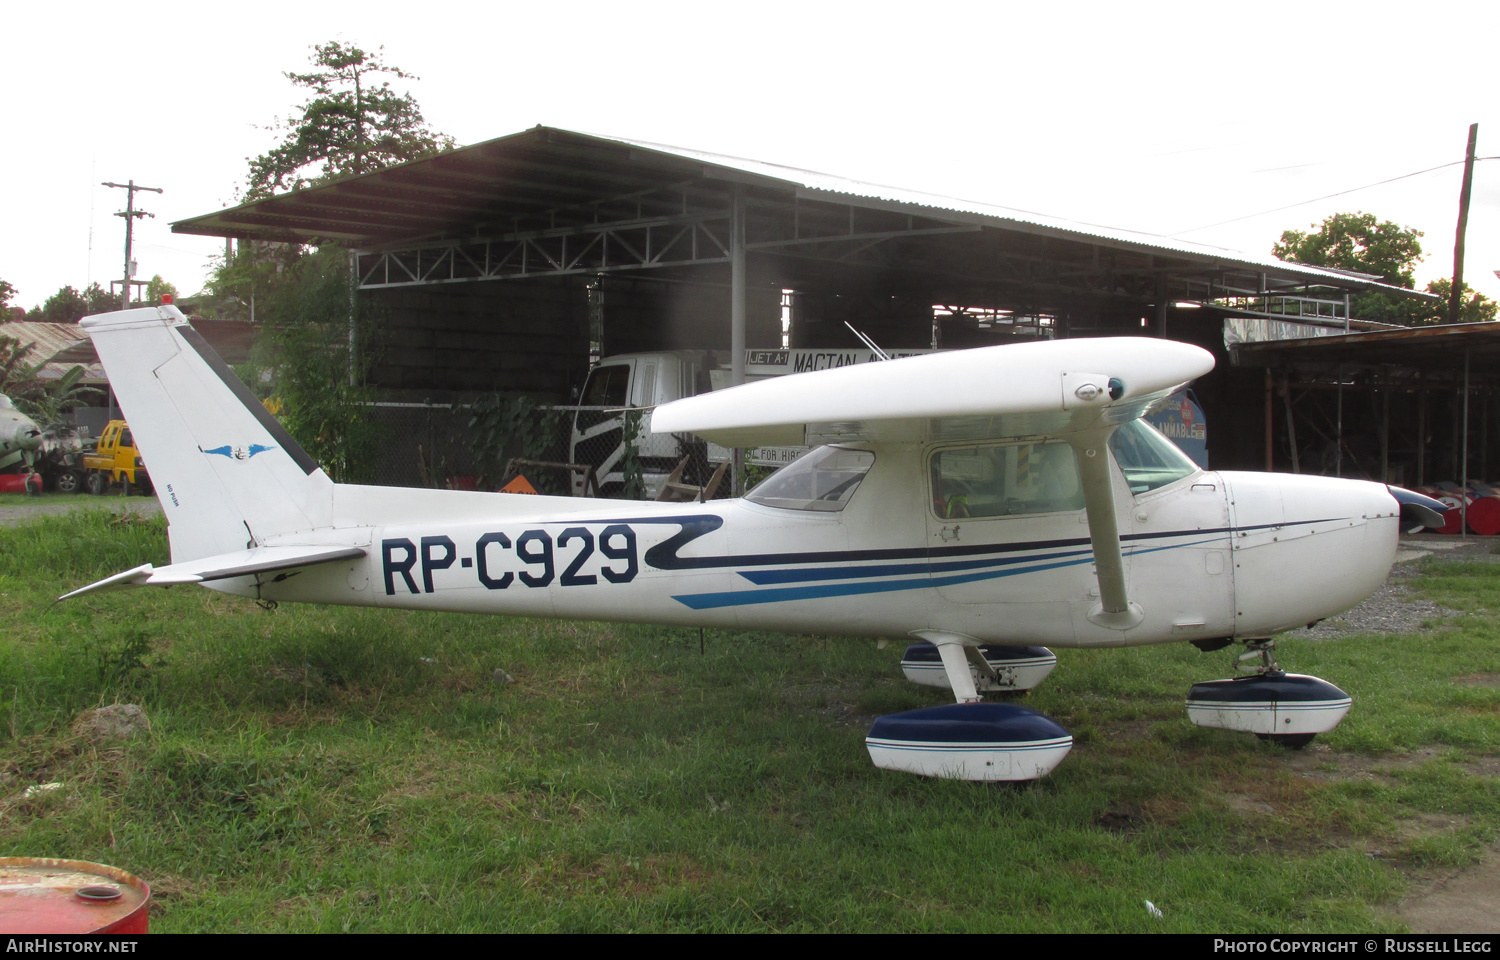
822 479
1148 459
606 387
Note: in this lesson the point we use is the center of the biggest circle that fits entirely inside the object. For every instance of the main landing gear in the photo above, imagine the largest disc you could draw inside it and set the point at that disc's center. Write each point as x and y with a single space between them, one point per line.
974 740
1285 708
971 739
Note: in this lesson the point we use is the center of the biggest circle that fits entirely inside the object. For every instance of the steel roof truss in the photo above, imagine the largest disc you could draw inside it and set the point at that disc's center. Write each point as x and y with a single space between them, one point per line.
680 241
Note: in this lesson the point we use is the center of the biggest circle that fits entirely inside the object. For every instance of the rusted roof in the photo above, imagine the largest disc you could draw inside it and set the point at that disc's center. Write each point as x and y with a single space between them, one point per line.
55 345
231 339
50 338
1438 347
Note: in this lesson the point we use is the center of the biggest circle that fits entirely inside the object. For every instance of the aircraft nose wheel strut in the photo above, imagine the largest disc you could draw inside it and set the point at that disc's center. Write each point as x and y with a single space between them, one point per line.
1265 651
1285 708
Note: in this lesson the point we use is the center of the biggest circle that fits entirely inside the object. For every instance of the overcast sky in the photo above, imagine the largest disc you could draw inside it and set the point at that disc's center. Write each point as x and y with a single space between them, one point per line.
1169 118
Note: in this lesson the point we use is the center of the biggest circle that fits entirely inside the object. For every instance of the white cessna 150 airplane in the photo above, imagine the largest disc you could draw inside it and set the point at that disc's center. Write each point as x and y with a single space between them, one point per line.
970 501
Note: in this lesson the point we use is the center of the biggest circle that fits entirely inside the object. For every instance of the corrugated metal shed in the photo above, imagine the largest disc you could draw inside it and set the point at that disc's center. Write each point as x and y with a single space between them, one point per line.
1431 349
814 185
53 344
477 212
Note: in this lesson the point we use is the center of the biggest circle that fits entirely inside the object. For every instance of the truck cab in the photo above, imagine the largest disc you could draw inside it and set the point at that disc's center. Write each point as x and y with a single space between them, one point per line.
627 387
640 382
114 459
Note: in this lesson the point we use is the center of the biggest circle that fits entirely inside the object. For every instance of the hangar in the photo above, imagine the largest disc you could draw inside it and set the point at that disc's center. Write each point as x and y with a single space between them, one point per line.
509 264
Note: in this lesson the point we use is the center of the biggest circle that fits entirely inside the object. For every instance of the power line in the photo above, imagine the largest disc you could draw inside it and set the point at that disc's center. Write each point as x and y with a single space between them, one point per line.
130 213
1303 203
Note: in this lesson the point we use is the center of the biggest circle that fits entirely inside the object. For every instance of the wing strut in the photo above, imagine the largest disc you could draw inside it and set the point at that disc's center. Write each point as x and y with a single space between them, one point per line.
1115 610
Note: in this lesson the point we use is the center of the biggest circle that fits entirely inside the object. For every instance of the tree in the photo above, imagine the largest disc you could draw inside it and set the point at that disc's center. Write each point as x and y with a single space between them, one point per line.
302 297
351 126
1358 242
100 300
302 306
41 398
6 292
15 373
65 306
1363 244
69 306
1473 306
159 288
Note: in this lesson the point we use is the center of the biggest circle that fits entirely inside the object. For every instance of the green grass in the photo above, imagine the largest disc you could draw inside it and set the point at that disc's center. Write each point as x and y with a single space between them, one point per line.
326 769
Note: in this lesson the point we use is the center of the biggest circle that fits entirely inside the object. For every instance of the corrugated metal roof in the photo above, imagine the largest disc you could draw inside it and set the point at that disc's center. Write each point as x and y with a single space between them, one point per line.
490 187
52 341
820 185
1430 348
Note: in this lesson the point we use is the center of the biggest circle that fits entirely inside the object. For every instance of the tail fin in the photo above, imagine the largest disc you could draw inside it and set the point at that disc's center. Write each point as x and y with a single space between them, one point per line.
227 474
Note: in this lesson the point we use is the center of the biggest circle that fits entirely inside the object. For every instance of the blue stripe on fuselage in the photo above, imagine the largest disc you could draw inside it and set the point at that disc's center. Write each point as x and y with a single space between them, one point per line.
763 577
1014 567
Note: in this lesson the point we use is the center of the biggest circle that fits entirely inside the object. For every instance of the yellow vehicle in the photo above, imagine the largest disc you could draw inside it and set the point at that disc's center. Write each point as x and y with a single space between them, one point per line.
115 459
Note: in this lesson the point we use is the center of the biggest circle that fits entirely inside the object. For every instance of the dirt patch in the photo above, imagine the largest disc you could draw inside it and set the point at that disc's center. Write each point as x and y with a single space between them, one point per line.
1479 680
1243 803
1446 902
1466 901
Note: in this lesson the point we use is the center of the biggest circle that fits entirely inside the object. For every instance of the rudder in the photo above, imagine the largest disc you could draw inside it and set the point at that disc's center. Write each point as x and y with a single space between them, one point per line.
227 474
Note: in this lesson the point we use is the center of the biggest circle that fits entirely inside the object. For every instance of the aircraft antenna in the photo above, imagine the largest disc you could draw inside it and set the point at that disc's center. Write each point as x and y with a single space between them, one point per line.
867 341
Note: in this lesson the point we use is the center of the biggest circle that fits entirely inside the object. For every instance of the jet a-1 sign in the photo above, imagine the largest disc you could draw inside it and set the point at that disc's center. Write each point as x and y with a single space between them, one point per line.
984 504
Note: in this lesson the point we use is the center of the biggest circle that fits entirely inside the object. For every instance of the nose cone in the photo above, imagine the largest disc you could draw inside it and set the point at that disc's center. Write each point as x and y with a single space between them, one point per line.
19 432
1306 548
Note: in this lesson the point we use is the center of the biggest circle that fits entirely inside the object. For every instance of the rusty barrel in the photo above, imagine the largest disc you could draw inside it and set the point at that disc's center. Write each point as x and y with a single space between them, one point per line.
42 895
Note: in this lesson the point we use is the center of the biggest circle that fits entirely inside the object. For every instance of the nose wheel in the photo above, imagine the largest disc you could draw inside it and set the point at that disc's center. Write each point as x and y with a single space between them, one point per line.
1285 708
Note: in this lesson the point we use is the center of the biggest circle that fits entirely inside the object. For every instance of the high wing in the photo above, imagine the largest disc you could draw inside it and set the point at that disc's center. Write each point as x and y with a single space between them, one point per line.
1047 388
1078 390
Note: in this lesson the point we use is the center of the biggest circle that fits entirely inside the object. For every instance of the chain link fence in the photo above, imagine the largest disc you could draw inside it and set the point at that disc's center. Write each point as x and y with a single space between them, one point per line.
568 450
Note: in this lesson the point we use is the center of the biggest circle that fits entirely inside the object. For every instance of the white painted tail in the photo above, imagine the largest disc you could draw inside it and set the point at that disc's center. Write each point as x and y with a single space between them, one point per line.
227 474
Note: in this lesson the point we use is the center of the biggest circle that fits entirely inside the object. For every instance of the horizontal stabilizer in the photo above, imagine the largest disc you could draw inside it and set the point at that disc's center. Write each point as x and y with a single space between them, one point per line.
243 563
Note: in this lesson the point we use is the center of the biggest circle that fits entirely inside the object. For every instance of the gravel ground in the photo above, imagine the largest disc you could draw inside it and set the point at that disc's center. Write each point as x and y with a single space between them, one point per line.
10 516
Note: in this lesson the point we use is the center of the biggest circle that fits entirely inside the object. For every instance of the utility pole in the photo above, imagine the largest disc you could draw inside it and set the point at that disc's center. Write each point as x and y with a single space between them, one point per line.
130 213
1454 298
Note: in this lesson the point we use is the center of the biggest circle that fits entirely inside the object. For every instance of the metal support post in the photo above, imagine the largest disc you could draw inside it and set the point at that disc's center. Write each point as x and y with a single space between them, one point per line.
737 314
1463 481
1270 413
353 329
1338 435
1421 434
1291 425
1385 436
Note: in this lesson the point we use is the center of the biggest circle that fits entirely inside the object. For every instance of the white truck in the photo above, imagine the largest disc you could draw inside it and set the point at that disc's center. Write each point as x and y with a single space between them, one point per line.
641 381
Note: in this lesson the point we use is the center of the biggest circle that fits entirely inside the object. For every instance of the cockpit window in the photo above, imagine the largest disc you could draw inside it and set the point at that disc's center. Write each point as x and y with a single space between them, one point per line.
1148 459
1005 480
822 479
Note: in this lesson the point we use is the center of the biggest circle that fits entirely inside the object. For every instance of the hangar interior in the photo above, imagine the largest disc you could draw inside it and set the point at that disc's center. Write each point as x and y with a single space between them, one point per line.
511 264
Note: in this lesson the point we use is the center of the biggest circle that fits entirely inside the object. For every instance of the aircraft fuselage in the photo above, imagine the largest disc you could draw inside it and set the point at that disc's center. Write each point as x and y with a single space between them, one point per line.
1211 555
